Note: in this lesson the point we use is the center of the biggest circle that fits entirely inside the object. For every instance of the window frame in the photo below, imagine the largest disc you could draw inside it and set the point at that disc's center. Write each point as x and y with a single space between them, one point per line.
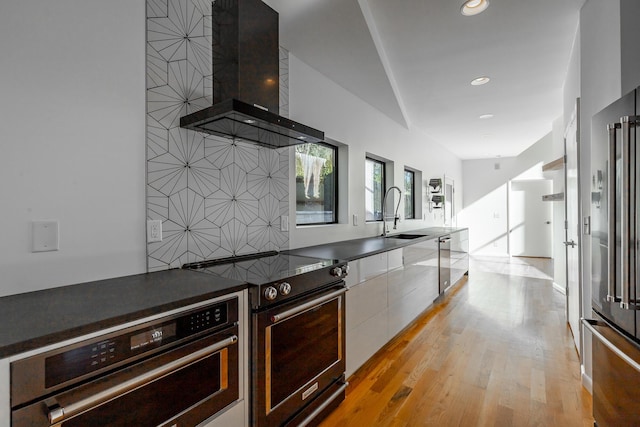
335 180
384 187
412 199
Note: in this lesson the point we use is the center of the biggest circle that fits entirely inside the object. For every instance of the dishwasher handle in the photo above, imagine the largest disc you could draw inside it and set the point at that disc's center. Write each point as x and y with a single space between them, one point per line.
57 413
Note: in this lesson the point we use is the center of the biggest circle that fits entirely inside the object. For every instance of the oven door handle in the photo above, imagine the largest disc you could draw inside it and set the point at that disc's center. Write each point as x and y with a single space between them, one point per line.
59 413
300 308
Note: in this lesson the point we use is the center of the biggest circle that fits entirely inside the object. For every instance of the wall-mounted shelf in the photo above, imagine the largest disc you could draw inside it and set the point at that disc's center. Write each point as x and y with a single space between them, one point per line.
555 165
557 197
435 196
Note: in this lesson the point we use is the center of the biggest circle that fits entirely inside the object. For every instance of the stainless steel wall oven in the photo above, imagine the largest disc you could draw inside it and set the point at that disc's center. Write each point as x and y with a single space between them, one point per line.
177 371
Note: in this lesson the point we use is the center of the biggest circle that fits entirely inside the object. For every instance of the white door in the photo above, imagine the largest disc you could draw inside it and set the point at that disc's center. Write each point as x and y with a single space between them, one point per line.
530 218
572 241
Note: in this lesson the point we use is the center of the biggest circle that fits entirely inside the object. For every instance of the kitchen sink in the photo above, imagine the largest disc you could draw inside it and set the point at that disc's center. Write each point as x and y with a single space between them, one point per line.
406 236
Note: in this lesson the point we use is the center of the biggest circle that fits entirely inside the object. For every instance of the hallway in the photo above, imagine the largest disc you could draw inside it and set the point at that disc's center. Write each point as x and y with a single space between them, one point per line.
496 352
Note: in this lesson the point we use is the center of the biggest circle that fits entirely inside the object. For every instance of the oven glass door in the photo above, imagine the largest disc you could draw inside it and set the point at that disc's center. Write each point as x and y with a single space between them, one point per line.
180 388
302 352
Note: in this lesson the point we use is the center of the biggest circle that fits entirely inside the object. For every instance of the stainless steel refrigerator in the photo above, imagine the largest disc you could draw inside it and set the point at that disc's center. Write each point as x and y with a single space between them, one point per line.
615 211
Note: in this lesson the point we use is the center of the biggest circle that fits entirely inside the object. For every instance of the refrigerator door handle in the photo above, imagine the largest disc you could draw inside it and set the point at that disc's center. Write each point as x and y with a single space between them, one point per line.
591 325
611 244
627 227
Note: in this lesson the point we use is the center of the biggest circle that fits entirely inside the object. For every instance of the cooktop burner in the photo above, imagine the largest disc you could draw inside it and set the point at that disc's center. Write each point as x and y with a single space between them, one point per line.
274 277
262 268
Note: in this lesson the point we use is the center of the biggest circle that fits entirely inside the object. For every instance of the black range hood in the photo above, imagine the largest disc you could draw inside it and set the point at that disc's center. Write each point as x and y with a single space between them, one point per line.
245 56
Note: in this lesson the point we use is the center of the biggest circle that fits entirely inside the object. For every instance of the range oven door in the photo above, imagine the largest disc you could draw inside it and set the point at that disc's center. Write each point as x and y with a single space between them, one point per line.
298 350
178 388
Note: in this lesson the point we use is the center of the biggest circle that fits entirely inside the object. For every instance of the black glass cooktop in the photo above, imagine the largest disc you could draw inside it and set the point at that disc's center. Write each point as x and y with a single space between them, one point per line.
261 268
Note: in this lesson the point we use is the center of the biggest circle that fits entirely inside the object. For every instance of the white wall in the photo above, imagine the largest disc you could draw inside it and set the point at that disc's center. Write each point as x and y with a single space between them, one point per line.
73 87
630 54
319 102
74 142
485 201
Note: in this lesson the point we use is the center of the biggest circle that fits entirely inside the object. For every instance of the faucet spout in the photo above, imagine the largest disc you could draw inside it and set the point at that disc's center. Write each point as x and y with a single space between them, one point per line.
384 208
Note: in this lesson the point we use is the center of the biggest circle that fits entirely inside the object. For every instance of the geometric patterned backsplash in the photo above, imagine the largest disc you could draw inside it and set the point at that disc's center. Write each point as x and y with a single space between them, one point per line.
216 197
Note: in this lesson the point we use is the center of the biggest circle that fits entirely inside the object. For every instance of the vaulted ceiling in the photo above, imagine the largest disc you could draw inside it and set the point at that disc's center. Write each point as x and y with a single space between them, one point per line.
414 60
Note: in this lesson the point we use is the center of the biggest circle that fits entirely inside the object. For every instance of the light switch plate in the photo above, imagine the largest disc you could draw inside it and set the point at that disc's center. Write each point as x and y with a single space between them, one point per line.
45 236
284 223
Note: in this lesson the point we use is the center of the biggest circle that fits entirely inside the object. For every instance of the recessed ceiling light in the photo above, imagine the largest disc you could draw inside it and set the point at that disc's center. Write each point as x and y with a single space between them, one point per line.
474 7
486 116
302 138
480 81
249 121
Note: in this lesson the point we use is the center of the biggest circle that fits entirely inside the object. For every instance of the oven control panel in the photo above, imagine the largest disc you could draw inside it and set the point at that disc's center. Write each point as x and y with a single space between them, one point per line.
92 355
297 285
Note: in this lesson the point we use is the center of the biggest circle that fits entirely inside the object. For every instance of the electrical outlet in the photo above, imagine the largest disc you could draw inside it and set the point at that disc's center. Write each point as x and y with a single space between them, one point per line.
355 220
154 230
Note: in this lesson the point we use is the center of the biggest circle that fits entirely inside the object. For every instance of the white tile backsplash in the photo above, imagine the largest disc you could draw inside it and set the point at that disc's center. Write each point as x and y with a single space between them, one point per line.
216 197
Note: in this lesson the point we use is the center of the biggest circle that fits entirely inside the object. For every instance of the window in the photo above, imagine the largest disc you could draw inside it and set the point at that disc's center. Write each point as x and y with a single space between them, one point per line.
316 184
409 194
374 189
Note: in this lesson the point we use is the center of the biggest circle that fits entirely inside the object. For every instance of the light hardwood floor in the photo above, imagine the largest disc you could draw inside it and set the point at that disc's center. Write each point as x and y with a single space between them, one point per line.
496 351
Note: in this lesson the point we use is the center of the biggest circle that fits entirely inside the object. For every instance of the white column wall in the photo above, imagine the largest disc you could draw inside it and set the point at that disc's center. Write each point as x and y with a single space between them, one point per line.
73 139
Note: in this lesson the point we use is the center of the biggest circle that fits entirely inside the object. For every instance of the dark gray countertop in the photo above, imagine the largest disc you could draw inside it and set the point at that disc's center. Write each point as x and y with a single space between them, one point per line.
35 319
349 250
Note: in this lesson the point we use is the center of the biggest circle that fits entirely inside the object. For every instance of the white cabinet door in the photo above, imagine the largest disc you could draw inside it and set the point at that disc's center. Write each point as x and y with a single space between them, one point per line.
365 300
366 311
413 287
233 416
373 266
365 339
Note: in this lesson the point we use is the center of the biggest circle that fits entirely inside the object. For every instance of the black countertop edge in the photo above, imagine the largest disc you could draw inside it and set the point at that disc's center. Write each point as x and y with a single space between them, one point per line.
36 319
351 250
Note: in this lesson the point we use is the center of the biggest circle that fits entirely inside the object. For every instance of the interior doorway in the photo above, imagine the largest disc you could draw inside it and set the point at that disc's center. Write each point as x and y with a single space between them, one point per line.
530 218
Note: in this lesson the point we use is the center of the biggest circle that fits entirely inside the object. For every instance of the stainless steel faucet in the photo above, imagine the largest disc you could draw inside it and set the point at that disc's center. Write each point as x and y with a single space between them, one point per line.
384 207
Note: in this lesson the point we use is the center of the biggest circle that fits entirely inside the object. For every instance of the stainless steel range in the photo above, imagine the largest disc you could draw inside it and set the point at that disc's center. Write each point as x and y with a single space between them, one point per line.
298 333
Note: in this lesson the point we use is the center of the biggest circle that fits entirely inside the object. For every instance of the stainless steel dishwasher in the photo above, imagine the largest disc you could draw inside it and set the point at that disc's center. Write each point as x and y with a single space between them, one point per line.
444 263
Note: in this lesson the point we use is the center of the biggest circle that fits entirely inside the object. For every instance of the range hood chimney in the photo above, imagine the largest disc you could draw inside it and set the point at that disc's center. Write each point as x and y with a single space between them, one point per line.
246 80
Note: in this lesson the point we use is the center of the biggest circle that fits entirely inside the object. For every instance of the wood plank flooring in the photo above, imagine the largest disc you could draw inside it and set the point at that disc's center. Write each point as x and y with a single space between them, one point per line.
496 351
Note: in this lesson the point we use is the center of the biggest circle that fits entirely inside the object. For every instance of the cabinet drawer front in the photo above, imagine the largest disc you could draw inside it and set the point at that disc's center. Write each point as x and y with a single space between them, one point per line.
366 300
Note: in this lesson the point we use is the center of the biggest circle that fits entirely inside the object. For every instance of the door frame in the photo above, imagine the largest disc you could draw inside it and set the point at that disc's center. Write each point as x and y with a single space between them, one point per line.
575 116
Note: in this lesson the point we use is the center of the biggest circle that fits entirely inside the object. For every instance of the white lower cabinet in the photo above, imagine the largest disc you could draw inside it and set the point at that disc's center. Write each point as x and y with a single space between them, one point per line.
365 300
366 315
364 340
233 416
386 293
414 285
